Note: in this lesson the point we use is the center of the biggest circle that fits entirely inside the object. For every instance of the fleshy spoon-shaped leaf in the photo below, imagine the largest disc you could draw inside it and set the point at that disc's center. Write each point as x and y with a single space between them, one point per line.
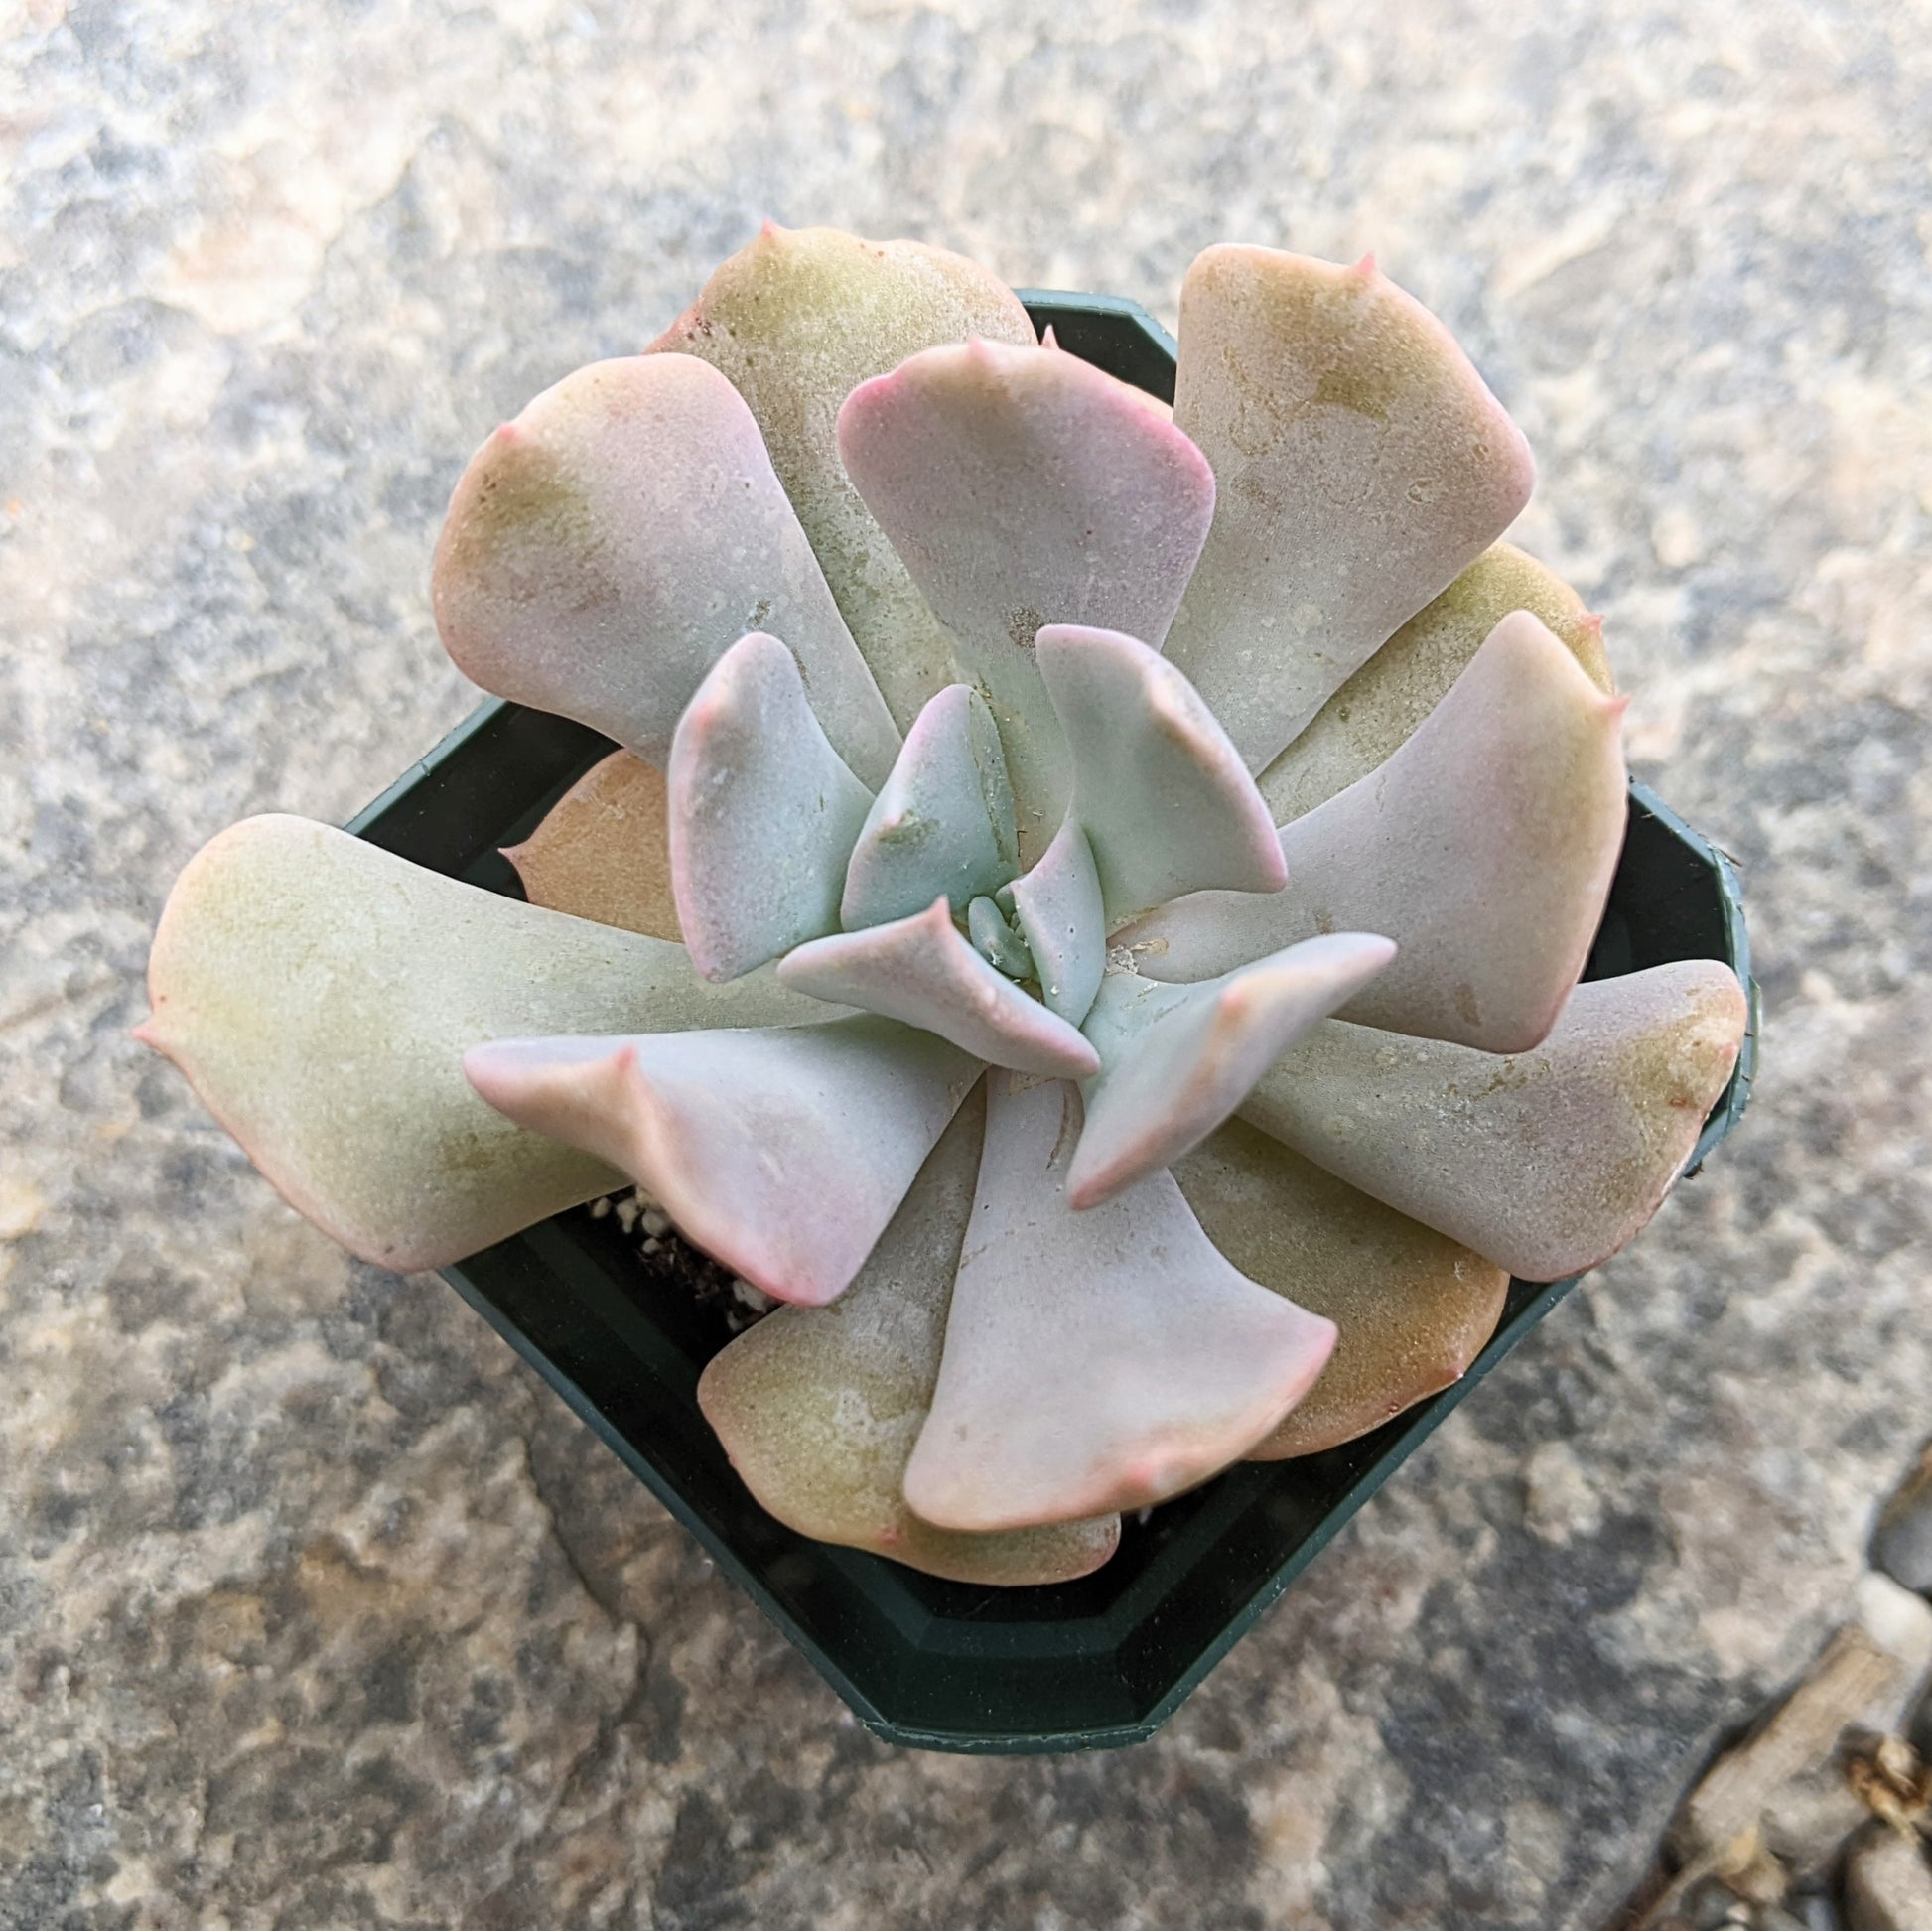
921 970
1163 796
607 547
943 821
782 1152
1093 1361
1364 723
818 1408
762 813
1060 915
1484 848
1022 486
1363 465
798 320
602 851
1544 1161
1414 1308
318 994
1176 1061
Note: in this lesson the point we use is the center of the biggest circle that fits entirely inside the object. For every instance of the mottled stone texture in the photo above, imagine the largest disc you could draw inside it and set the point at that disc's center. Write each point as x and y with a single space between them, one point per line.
316 1610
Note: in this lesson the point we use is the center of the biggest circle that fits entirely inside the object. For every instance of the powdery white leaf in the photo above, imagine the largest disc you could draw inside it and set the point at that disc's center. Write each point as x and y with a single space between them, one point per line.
782 1152
1361 465
319 993
818 1408
762 813
1484 848
1093 1361
605 549
1544 1161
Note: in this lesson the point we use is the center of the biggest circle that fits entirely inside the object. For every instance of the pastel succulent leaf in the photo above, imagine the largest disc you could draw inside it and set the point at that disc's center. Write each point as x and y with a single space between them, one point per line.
1544 1161
943 821
1484 848
1176 1061
923 971
1361 463
996 942
818 1408
602 851
1060 915
607 547
783 1153
1414 1308
318 992
1368 719
798 320
1022 487
762 813
1165 802
1093 1361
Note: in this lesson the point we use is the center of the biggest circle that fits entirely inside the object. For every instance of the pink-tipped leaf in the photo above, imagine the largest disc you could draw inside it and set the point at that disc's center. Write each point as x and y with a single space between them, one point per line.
1544 1161
1484 848
798 318
1363 725
818 1408
922 970
1164 800
1022 487
1414 1308
783 1153
319 993
762 813
607 547
943 821
1093 1361
1361 465
1176 1061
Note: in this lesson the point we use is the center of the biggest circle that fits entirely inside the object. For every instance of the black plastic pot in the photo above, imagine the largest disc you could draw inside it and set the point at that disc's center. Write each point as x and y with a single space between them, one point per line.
932 1663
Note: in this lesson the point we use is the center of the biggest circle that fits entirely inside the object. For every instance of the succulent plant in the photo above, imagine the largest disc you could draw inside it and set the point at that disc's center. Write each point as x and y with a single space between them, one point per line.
1087 908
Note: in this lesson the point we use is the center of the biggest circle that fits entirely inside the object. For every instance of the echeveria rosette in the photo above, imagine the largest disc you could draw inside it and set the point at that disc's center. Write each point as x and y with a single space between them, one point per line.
1019 783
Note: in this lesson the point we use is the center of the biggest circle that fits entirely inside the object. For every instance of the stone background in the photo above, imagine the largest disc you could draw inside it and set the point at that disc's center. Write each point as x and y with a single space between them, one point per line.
316 1610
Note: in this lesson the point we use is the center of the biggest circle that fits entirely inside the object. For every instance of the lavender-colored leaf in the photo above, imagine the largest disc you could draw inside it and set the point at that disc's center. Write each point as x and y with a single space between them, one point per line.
1022 487
784 1153
1093 1361
603 850
319 993
1363 725
762 813
1176 1061
1165 802
943 821
1544 1161
1414 1308
1361 465
818 1408
798 320
607 547
923 971
1484 848
1060 915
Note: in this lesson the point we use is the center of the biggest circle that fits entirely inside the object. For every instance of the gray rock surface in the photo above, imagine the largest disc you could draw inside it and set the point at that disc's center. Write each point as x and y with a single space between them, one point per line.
1889 1883
316 1610
1902 1546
